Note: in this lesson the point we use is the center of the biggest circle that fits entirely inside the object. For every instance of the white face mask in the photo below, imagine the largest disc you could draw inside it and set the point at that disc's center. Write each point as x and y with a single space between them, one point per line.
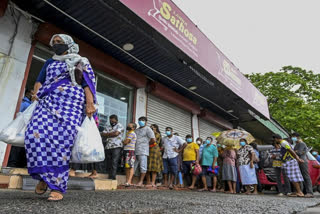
199 142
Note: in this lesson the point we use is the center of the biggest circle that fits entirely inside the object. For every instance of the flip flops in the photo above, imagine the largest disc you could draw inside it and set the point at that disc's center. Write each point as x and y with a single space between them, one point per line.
55 196
41 188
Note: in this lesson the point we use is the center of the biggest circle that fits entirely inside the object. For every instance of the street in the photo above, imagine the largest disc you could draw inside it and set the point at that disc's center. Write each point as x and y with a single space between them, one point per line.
150 201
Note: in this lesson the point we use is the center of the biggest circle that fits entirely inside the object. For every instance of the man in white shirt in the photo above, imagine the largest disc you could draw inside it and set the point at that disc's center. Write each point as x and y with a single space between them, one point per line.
114 133
172 145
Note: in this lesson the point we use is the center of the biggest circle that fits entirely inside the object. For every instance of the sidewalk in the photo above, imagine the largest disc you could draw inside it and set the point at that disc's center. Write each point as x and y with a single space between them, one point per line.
312 210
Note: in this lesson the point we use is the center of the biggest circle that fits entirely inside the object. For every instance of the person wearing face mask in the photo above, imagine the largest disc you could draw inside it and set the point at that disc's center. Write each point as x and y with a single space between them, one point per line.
301 150
155 164
316 155
113 133
62 100
290 165
199 141
172 145
129 152
190 155
247 170
145 138
209 160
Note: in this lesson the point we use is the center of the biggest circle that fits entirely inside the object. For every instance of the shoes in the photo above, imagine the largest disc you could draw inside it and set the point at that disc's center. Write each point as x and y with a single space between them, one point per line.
308 195
280 194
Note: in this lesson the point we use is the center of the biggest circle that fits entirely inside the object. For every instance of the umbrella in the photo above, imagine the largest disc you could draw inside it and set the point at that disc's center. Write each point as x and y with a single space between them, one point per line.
231 137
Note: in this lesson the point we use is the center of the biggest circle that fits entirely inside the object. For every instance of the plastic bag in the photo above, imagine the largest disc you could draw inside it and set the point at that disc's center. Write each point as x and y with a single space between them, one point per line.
14 133
88 147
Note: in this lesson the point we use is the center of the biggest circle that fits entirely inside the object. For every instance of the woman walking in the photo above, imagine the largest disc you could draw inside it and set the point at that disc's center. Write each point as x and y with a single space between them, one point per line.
155 164
64 94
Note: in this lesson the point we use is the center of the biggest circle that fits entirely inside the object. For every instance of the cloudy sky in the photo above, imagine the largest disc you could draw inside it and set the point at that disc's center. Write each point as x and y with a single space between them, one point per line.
261 35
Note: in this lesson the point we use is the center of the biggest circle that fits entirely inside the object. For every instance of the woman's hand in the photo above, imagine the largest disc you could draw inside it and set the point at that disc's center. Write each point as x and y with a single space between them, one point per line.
90 109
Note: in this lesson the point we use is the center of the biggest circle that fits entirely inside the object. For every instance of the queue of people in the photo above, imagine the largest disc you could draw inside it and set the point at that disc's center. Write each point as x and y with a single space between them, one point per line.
66 94
237 170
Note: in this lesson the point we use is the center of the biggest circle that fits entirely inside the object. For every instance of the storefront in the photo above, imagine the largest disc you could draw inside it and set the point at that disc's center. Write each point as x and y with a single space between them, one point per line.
147 64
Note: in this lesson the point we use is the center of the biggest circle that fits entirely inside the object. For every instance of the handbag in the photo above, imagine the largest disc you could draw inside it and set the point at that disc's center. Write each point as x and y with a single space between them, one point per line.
78 73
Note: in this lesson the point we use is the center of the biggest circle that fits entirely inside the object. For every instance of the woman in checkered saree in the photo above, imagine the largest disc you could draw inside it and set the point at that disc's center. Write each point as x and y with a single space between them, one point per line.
63 103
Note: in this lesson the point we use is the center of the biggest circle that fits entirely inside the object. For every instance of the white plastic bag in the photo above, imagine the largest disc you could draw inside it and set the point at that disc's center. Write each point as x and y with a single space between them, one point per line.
14 132
88 147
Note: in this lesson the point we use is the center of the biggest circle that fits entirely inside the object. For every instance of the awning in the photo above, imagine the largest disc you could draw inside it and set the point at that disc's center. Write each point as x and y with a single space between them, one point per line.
109 24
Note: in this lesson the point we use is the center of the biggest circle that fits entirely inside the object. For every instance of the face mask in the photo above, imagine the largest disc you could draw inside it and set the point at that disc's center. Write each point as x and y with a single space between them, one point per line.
208 141
314 153
142 123
242 143
189 140
59 49
129 128
198 142
168 133
294 138
113 124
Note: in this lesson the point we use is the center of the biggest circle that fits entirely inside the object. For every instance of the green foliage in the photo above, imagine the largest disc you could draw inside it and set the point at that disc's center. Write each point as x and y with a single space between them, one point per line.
294 100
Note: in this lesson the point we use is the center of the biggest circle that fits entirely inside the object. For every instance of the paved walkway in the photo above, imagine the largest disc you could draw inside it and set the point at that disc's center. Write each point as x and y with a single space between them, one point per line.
151 201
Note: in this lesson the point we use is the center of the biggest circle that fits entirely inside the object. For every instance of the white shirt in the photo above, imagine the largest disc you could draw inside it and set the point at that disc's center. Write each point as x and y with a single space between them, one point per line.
169 144
114 142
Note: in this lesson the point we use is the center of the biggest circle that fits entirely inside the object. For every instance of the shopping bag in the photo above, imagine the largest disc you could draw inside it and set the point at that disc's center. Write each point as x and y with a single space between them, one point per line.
14 132
88 147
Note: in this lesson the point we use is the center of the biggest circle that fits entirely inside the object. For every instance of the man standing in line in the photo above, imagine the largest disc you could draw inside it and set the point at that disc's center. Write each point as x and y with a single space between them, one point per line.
301 149
145 137
290 165
113 133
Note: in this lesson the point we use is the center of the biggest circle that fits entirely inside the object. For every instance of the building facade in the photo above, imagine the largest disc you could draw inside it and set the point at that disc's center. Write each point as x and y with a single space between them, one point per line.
149 59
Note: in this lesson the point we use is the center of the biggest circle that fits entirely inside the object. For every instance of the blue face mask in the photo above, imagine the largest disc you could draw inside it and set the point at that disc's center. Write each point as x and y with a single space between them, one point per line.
314 153
294 138
208 141
142 123
242 143
189 140
168 133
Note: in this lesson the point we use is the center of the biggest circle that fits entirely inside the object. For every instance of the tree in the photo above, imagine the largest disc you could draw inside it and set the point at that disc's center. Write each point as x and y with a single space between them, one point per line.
294 100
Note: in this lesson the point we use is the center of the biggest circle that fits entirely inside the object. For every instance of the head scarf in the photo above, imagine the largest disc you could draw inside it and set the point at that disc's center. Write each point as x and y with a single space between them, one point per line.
72 58
73 47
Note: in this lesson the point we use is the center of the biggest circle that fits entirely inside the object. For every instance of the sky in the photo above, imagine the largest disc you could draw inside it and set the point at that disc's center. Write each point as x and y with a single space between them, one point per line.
259 36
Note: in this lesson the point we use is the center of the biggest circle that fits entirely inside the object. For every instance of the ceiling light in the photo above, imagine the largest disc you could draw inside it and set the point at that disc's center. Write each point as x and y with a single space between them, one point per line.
230 111
193 87
123 98
128 47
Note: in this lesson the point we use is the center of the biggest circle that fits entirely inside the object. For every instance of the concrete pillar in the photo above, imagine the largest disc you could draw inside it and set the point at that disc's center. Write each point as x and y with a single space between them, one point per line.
141 104
14 50
195 126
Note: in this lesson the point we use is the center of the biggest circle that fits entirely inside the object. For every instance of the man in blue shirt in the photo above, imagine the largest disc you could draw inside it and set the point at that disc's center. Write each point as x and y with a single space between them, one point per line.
316 155
17 156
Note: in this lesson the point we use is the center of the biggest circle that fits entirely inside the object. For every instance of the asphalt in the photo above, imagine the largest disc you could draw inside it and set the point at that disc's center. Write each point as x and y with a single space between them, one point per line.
151 201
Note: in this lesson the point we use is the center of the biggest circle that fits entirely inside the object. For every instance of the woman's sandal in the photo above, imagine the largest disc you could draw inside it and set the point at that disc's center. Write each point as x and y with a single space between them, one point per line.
41 188
55 196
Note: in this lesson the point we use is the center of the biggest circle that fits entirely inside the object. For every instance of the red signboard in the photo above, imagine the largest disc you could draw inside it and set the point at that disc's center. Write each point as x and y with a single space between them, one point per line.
171 22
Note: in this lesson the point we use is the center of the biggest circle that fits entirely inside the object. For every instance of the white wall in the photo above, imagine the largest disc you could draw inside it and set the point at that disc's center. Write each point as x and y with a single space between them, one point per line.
141 104
12 66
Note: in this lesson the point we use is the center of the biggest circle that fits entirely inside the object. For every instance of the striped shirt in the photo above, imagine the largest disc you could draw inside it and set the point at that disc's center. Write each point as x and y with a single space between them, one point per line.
133 139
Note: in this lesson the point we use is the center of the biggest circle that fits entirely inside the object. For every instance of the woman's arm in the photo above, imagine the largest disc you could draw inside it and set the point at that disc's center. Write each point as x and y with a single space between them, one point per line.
90 109
36 87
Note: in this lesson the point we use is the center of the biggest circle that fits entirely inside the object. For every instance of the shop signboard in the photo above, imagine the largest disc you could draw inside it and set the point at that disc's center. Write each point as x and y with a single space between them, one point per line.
171 22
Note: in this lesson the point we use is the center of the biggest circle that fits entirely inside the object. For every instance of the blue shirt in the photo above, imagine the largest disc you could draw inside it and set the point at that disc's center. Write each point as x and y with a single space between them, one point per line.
26 102
208 154
318 158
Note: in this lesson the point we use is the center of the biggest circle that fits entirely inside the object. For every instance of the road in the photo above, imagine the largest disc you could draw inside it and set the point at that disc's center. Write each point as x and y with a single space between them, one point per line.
150 201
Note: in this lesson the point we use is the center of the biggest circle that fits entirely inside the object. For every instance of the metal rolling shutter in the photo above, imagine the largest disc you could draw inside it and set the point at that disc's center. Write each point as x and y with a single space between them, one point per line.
206 128
165 114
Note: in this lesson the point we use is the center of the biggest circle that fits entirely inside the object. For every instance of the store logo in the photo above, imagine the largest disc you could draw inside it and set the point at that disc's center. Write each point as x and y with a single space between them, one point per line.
171 19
